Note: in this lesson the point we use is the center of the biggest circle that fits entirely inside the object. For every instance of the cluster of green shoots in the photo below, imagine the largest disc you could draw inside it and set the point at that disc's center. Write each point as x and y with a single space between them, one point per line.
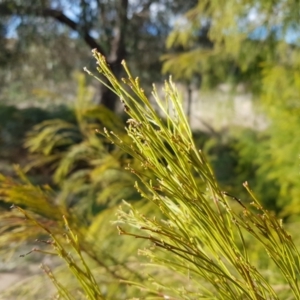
203 235
207 232
77 264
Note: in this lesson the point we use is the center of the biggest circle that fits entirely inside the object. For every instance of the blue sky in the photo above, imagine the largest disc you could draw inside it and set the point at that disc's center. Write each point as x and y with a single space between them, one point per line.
292 35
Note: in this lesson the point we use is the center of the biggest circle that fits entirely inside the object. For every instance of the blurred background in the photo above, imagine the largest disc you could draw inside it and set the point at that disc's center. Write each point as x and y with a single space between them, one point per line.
236 65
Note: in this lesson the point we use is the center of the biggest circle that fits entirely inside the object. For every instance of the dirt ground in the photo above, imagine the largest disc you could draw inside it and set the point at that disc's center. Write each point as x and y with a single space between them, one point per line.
8 279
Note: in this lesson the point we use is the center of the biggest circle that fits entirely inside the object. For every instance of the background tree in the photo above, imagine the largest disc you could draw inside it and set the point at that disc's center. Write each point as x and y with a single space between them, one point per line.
255 43
118 29
233 41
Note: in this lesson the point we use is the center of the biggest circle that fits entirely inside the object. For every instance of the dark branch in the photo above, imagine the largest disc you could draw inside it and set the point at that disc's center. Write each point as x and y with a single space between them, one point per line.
6 9
62 18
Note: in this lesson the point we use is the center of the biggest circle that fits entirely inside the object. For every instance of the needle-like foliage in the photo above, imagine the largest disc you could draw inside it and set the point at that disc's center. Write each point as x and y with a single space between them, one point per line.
205 230
202 242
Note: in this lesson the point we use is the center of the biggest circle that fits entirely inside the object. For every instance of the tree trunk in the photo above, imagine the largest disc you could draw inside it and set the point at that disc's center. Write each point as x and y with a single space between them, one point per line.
108 98
117 49
189 102
117 54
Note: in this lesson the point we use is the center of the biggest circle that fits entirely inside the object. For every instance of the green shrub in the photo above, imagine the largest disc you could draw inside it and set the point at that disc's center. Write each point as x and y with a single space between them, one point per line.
15 122
199 241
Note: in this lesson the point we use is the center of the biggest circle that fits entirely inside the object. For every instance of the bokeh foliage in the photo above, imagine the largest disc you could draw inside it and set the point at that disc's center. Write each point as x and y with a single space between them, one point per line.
203 241
85 183
254 43
233 41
